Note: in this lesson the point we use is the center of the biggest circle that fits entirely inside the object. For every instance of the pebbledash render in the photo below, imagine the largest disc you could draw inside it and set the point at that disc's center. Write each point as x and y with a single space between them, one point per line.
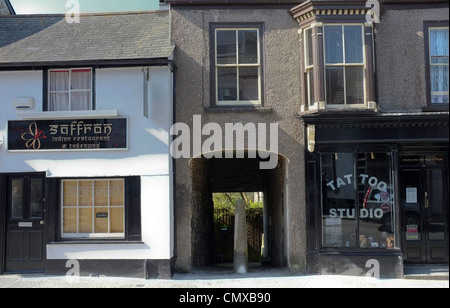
359 93
85 168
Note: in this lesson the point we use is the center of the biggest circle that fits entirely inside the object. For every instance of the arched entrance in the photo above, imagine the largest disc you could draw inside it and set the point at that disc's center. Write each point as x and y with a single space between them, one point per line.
217 175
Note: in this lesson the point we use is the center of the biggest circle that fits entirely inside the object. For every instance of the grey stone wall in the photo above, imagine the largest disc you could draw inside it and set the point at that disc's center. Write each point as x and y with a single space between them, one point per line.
282 96
400 57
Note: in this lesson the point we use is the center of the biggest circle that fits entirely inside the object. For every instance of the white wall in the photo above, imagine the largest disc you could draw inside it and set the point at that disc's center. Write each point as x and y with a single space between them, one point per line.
147 154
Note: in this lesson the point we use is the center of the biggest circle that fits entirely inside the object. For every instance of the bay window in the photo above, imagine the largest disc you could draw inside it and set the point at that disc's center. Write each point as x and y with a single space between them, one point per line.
344 64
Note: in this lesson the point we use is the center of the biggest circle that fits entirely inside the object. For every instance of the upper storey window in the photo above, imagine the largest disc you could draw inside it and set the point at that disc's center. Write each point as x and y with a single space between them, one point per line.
70 89
438 65
337 47
344 65
237 66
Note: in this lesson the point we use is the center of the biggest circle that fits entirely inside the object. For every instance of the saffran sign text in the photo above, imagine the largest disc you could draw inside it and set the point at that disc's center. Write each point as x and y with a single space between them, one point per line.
89 134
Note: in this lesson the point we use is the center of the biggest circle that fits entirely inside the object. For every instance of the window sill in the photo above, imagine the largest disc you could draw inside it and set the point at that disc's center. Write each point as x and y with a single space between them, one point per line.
49 115
96 242
238 109
437 108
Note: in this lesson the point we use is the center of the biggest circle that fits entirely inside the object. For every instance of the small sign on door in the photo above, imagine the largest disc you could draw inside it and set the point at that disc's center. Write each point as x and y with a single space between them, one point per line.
412 232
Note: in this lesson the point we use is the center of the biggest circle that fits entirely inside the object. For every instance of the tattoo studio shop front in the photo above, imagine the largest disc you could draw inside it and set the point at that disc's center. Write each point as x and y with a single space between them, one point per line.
377 193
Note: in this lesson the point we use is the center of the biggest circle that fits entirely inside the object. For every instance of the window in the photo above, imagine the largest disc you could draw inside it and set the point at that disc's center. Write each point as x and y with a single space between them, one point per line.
344 64
93 208
309 67
358 208
70 90
438 65
237 63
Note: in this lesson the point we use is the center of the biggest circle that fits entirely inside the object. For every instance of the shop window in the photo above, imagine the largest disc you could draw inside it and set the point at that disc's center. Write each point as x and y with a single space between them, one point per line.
358 208
237 66
70 90
93 208
437 64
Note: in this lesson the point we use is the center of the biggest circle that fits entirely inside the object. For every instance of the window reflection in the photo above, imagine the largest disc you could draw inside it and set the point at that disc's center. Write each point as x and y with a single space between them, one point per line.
358 209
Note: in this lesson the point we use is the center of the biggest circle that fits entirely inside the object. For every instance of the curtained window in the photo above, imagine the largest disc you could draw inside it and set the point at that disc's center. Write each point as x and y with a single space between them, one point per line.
70 90
439 66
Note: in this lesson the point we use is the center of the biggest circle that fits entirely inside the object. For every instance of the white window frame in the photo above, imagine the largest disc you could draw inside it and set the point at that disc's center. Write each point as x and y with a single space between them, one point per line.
308 68
92 235
434 64
70 91
237 66
344 65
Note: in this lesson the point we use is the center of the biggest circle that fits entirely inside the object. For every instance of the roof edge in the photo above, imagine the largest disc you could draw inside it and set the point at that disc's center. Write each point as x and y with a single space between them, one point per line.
91 14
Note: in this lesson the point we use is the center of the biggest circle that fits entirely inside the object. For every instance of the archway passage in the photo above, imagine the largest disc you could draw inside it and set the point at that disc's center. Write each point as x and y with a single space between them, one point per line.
219 175
224 225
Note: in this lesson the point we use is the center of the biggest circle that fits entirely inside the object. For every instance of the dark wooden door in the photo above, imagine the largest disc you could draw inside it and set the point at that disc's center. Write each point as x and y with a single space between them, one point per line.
425 215
25 224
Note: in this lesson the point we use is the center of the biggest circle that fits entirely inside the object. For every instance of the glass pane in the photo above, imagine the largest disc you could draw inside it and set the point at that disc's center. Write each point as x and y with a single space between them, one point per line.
439 78
59 81
36 198
81 101
17 198
59 102
440 98
339 204
310 86
81 79
101 193
248 46
70 220
308 47
335 85
85 220
116 192
439 42
439 60
376 209
436 214
226 47
70 193
85 193
353 44
248 83
101 220
333 44
354 78
227 84
117 220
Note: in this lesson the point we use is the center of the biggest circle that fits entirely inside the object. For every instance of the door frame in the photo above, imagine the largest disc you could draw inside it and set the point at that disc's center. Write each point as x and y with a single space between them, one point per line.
5 180
424 244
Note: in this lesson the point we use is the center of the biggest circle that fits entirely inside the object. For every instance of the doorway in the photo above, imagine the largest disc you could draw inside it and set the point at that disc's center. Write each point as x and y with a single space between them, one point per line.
224 221
424 187
24 223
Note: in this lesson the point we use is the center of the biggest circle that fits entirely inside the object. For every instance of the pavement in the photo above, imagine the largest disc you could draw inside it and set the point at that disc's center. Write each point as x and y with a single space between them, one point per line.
203 279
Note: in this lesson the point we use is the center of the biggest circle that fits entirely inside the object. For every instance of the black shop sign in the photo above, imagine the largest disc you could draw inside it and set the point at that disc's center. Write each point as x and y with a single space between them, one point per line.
70 135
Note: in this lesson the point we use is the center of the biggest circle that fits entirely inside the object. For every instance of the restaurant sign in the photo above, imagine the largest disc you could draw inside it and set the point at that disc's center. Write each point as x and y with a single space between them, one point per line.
70 135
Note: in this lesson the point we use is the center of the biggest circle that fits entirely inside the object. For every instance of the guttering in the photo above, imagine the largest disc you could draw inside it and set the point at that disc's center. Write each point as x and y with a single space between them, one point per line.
39 65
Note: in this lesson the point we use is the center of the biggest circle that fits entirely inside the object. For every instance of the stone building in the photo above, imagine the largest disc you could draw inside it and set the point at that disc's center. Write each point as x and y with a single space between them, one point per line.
359 93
